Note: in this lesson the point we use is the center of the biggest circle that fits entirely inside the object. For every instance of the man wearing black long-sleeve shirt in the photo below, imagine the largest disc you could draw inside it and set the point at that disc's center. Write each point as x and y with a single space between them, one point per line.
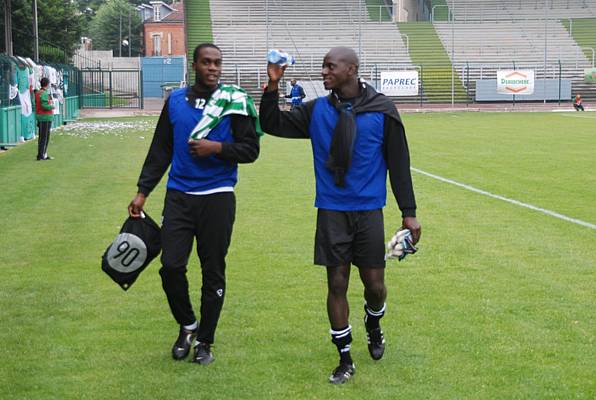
200 201
357 136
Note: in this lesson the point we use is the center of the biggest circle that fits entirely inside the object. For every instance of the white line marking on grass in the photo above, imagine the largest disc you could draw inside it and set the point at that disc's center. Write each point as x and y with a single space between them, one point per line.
571 110
508 200
578 116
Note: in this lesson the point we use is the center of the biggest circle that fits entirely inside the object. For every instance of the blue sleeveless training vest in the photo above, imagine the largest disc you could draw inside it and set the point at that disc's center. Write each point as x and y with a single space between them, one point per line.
196 174
366 179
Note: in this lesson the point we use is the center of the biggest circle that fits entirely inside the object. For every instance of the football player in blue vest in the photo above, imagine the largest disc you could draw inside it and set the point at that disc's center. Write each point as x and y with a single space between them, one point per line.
200 201
357 137
296 94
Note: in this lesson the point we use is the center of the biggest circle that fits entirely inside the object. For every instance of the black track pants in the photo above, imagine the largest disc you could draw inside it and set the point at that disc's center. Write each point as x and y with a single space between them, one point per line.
209 219
44 139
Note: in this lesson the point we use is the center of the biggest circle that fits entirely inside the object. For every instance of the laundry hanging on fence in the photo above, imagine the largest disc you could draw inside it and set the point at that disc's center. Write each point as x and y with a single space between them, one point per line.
25 100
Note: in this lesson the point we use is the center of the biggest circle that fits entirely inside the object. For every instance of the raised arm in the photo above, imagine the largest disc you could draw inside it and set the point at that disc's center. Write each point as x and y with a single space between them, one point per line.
288 124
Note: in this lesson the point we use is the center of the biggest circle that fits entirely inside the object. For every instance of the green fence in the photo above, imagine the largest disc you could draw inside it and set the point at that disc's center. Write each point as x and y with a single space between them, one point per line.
58 119
15 71
10 125
71 108
69 111
96 100
13 126
28 125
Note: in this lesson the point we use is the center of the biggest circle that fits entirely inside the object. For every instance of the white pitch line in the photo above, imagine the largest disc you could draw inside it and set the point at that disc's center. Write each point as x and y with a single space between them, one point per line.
578 116
508 200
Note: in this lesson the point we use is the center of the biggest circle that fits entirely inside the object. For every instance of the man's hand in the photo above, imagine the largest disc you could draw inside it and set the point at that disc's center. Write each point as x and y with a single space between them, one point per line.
400 245
204 147
275 73
412 224
136 205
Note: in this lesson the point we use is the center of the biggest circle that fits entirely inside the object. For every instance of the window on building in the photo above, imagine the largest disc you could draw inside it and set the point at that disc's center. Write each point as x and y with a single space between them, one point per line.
156 14
156 45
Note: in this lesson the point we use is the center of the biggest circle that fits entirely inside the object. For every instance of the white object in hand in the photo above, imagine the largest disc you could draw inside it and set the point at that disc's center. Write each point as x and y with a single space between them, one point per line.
280 58
395 246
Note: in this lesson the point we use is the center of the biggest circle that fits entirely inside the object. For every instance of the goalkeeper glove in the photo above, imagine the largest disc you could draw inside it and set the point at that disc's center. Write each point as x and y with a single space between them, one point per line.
400 245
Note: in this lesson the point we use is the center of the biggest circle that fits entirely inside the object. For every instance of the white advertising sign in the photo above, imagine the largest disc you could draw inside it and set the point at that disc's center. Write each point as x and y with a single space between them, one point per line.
519 81
399 83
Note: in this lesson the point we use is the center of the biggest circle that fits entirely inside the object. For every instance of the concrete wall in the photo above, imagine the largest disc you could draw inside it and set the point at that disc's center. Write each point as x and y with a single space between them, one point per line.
411 10
85 59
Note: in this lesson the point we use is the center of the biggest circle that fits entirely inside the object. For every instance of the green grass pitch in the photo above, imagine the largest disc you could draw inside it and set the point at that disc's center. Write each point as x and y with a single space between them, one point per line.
499 303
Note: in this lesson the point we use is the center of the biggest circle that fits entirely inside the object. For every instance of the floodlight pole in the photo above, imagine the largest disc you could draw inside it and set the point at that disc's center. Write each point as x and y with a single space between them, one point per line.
129 35
360 30
120 37
545 48
8 27
267 25
450 12
35 32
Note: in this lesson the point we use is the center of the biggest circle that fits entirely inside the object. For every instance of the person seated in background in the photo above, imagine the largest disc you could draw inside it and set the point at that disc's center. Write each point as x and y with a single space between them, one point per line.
577 103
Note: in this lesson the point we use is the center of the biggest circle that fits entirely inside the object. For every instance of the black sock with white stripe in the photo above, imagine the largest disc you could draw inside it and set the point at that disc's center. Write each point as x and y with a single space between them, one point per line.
372 317
342 339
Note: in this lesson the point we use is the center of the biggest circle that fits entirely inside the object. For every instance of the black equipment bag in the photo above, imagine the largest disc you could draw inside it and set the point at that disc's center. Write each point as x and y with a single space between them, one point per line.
138 243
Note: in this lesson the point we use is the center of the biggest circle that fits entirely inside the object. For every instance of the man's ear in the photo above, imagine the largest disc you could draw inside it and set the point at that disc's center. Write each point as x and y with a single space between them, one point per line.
353 69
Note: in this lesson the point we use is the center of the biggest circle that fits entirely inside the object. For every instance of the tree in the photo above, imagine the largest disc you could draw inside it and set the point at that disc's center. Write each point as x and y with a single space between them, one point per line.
59 28
89 6
105 27
88 9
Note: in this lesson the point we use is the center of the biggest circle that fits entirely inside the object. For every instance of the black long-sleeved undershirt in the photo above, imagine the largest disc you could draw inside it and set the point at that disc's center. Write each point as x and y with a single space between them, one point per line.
244 149
294 124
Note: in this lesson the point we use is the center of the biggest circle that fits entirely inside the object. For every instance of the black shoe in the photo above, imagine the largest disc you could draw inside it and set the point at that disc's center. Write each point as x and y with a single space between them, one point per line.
342 374
182 345
376 343
203 354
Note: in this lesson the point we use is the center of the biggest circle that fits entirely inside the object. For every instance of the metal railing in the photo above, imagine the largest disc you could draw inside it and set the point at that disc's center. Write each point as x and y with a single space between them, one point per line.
593 53
111 89
403 35
440 6
254 15
447 55
84 62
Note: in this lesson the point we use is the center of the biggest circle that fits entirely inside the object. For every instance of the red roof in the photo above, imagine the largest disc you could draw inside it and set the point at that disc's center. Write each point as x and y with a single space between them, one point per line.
178 15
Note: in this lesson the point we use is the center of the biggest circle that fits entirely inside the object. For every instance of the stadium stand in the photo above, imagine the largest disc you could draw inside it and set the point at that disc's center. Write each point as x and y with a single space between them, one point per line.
427 51
492 10
197 18
491 35
488 35
306 30
584 33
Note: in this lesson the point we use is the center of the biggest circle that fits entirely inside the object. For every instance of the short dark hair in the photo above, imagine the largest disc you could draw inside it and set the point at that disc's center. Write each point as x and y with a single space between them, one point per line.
44 82
195 54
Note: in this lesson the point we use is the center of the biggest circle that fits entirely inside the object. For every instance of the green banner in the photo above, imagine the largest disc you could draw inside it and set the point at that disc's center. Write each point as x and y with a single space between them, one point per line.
590 75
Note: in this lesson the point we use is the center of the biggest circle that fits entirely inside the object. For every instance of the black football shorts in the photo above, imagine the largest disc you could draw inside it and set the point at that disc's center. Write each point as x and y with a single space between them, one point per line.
344 237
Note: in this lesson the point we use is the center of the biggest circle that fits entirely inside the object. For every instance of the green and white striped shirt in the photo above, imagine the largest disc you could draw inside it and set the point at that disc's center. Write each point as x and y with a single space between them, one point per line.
226 100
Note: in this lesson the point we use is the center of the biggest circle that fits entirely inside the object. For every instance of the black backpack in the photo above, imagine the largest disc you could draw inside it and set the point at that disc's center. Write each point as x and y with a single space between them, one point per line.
137 244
